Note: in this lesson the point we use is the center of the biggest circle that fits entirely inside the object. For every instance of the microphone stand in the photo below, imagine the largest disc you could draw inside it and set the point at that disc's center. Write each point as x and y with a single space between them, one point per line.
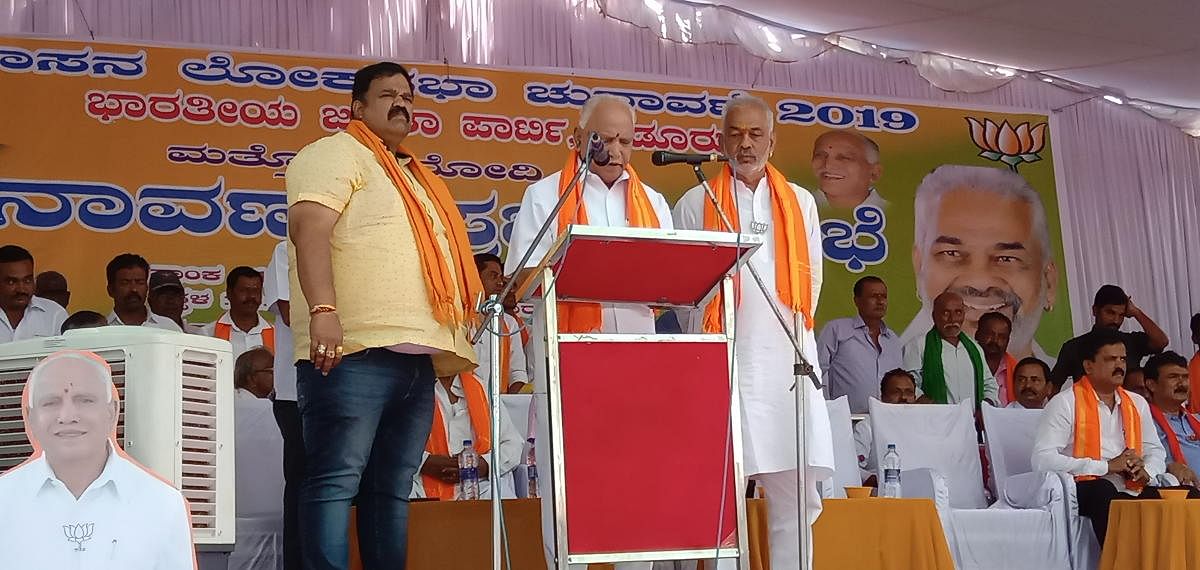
493 311
800 368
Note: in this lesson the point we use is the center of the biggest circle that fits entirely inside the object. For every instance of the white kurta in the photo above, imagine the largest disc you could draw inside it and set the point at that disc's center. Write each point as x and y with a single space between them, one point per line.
764 352
518 372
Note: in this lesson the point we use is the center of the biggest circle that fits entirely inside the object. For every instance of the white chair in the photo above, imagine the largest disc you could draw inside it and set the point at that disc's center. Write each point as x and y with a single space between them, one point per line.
1010 436
940 456
845 457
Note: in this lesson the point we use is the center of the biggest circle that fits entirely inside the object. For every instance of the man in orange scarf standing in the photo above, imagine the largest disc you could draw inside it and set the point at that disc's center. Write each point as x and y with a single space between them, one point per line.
383 291
1101 433
609 195
757 199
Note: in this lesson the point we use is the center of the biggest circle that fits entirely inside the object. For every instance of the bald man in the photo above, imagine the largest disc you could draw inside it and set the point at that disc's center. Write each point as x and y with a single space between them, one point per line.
948 364
607 195
846 164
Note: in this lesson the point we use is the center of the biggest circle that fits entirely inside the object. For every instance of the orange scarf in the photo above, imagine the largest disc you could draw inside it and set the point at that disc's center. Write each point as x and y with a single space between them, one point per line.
505 355
439 444
1087 426
440 282
224 331
793 272
1172 439
1194 379
576 317
1011 388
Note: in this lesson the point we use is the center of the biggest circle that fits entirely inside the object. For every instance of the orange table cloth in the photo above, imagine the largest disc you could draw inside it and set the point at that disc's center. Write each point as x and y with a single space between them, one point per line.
899 534
888 534
1152 534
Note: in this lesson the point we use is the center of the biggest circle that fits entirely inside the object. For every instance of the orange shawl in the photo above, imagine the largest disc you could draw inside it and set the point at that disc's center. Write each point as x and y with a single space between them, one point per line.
225 330
481 426
1087 425
576 317
793 272
1011 388
439 279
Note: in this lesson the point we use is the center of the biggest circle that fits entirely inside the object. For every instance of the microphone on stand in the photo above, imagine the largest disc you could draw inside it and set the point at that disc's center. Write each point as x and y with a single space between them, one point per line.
599 152
663 158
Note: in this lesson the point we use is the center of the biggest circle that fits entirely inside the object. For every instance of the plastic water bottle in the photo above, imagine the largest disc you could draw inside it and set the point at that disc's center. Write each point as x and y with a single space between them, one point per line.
531 466
468 472
891 473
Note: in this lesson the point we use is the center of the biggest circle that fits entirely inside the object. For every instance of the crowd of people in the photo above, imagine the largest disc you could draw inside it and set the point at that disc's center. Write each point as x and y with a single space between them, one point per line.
346 362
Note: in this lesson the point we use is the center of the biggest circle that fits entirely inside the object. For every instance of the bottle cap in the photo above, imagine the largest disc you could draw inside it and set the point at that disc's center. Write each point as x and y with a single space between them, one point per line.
466 443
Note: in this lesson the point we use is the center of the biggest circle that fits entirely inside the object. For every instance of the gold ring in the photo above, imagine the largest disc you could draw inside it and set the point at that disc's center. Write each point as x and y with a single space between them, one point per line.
339 349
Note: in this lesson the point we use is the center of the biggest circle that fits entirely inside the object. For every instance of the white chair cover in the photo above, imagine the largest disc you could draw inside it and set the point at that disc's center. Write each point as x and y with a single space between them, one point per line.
938 437
939 451
845 457
1010 436
258 465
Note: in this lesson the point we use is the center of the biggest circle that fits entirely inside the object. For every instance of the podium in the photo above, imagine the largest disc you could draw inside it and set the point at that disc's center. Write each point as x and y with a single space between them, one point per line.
645 429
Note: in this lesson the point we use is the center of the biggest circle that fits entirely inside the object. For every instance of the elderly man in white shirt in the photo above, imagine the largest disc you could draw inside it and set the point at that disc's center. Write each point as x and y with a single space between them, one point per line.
608 195
948 364
897 387
241 325
756 197
1101 448
854 352
24 315
80 502
462 414
258 464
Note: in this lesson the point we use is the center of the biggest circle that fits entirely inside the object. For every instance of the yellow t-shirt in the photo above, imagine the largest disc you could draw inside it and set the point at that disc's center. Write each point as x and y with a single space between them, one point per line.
377 274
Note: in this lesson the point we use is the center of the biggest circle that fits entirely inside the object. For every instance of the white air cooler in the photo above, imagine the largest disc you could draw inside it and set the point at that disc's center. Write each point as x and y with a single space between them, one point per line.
176 411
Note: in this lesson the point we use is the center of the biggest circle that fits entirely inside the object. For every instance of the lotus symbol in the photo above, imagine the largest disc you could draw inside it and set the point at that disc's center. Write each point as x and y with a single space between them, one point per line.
79 534
1008 144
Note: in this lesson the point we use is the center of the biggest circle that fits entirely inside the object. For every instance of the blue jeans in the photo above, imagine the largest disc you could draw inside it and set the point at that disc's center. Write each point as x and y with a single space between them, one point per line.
365 427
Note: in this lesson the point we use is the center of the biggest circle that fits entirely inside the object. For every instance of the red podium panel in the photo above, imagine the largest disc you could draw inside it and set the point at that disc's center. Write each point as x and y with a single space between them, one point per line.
647 266
646 445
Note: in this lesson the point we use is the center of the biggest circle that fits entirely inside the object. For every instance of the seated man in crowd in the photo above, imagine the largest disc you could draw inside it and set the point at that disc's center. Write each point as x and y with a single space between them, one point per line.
52 285
948 364
242 326
1101 433
167 298
513 371
1110 308
1135 381
1031 383
461 413
258 463
24 315
80 502
897 387
254 373
992 334
84 320
1178 426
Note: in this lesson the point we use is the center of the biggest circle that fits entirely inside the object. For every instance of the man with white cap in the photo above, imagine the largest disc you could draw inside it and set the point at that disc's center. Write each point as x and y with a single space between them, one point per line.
79 501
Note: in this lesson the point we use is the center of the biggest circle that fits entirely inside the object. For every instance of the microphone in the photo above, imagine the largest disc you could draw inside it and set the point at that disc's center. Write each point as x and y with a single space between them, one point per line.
597 150
663 158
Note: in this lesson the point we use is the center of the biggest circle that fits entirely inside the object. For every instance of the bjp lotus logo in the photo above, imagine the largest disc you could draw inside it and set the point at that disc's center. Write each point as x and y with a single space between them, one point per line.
79 534
1007 144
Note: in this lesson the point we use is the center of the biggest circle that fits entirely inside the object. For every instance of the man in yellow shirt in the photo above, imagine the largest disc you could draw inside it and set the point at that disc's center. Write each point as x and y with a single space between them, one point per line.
384 290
